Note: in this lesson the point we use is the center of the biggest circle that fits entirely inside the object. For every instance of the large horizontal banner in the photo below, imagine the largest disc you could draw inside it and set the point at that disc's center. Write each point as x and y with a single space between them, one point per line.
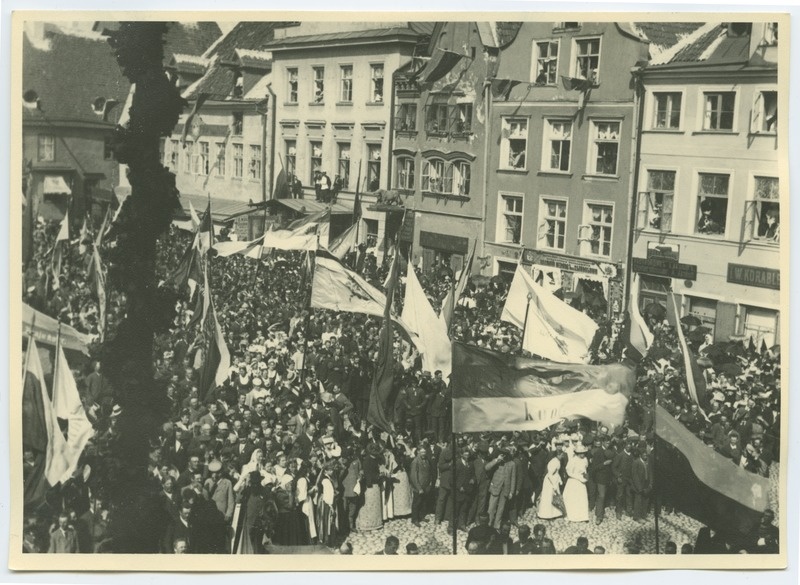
46 330
499 392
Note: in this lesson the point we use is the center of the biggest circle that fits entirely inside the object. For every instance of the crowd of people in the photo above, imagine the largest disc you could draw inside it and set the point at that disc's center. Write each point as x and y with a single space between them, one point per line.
282 453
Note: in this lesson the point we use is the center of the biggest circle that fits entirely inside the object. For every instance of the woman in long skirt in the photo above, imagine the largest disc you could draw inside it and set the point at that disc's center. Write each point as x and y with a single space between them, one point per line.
550 487
370 516
305 503
576 500
249 527
327 518
401 492
388 485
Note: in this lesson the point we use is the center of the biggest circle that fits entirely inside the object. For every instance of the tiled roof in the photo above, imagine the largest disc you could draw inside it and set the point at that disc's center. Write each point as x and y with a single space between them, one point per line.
709 44
254 59
663 35
70 76
189 38
244 35
422 28
341 36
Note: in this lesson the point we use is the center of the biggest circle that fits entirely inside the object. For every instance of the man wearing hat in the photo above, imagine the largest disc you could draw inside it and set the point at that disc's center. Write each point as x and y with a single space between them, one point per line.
600 462
220 490
482 478
621 469
421 478
502 486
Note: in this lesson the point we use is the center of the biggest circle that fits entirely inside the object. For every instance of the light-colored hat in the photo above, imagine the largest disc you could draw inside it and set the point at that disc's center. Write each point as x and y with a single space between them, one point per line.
215 466
116 411
581 448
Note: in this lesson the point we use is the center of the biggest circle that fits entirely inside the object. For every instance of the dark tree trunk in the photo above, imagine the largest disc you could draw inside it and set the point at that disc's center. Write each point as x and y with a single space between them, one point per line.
127 355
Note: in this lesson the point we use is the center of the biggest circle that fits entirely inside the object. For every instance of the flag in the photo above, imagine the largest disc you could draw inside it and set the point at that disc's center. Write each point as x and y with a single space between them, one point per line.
501 88
501 392
302 238
193 215
641 338
217 359
104 226
248 249
383 393
345 243
448 307
439 67
85 238
204 237
357 200
99 276
45 330
67 406
695 382
188 272
281 190
36 426
553 330
431 332
198 103
453 295
704 484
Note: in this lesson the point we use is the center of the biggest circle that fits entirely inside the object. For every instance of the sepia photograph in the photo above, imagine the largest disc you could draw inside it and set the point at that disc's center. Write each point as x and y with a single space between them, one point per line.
442 287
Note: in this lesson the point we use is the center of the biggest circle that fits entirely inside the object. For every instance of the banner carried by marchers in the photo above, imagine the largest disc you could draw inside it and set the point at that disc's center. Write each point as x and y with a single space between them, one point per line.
502 392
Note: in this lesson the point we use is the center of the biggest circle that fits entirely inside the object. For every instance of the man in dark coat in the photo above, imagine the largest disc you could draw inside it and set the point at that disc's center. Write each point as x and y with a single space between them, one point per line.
443 500
415 404
600 472
421 479
640 484
621 469
464 490
482 478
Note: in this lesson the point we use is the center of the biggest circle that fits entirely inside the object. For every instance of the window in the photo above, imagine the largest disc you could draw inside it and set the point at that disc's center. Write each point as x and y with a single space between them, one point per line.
605 147
108 148
546 62
552 224
238 123
372 233
255 162
655 205
705 310
462 123
373 167
238 85
316 160
461 177
204 164
220 164
569 25
767 209
376 74
514 144
510 227
557 145
291 157
47 147
406 118
188 151
405 173
764 117
319 85
437 176
344 164
712 203
587 59
436 121
174 153
346 83
667 110
291 75
759 324
653 289
238 161
718 110
595 235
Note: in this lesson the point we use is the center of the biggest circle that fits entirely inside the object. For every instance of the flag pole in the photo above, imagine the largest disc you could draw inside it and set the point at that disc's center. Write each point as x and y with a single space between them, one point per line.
656 490
28 349
525 322
454 468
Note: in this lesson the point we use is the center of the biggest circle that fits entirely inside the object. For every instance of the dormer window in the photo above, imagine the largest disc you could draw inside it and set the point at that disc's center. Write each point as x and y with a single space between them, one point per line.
30 99
238 85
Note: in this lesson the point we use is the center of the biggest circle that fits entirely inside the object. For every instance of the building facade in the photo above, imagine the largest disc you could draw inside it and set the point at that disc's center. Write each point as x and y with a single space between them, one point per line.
439 142
561 158
708 210
333 101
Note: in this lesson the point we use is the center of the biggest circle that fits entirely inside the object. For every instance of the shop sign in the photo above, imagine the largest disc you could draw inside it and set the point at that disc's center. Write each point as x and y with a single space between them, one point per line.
407 229
665 251
665 267
754 276
445 243
568 263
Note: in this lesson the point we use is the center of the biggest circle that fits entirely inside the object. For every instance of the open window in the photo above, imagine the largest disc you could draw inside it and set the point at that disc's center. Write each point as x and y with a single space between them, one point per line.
764 115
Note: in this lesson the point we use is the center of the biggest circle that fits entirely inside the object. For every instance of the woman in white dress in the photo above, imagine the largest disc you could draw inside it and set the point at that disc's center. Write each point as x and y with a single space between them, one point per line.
305 502
401 490
386 471
576 500
550 487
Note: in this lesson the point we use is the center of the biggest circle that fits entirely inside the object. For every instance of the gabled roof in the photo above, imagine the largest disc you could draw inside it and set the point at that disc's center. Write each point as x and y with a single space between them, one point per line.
709 44
663 35
244 35
188 38
67 92
355 37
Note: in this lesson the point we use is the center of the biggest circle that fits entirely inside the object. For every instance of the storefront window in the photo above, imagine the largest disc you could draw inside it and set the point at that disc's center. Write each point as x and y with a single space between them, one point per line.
705 310
759 324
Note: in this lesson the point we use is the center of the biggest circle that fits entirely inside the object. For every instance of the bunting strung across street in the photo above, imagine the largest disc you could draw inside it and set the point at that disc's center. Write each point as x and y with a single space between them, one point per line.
500 392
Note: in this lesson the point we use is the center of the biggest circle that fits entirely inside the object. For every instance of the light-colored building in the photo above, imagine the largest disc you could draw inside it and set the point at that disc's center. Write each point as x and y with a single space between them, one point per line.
708 211
333 87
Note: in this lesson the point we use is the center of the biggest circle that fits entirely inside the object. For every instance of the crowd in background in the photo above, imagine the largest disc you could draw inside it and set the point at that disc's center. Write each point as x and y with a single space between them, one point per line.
282 455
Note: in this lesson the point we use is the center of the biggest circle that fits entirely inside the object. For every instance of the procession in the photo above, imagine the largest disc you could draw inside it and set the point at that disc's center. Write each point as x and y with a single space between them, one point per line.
321 379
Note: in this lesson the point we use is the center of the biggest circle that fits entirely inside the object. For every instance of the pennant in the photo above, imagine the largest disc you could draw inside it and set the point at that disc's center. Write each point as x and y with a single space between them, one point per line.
63 232
551 328
500 392
704 484
67 406
198 103
383 393
36 426
501 88
438 68
695 381
431 332
204 237
281 190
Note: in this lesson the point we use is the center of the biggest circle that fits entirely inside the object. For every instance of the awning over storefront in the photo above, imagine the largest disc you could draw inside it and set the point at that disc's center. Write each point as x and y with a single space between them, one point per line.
310 206
55 185
222 210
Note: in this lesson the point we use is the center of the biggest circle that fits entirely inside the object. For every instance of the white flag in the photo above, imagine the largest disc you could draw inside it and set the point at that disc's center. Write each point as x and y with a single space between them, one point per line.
63 232
431 331
67 406
344 243
554 330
